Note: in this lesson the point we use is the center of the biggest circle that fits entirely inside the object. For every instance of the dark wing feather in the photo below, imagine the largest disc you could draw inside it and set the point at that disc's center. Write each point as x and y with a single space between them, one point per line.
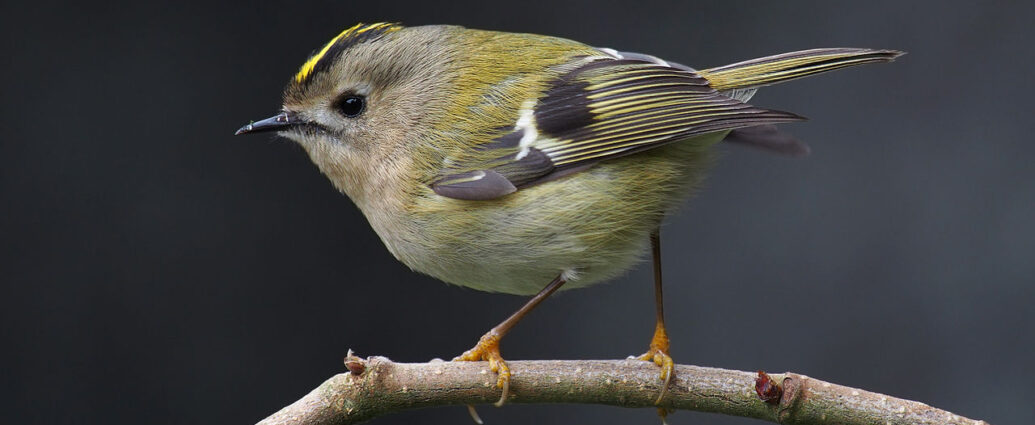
769 138
602 110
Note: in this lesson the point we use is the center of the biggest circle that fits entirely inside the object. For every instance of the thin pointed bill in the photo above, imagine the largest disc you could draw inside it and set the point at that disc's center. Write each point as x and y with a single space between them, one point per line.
279 122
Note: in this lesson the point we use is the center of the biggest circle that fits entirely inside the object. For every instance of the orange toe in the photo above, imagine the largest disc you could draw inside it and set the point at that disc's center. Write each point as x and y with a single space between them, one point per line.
488 349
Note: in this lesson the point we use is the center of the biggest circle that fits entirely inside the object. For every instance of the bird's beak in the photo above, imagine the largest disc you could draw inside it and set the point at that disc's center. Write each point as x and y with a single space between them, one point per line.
279 122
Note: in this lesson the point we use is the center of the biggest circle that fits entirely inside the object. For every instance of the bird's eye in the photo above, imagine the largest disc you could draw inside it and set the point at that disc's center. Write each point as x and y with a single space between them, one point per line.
351 106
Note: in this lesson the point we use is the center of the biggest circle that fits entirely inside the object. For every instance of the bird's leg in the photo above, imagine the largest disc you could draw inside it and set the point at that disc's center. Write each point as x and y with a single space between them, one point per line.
488 347
658 352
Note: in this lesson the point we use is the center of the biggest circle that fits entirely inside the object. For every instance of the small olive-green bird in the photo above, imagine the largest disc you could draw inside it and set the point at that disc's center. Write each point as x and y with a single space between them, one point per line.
521 163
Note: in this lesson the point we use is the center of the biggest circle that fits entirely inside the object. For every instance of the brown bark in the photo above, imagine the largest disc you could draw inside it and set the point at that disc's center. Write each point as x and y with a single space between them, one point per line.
381 387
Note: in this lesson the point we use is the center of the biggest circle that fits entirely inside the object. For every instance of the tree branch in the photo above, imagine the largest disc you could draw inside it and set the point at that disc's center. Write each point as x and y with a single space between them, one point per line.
377 386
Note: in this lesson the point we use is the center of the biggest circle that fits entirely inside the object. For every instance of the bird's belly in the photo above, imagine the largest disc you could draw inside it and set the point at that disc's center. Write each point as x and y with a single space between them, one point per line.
592 225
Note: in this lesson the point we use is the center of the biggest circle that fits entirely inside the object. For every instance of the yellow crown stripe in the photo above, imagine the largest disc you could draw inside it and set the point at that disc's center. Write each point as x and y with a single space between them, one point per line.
309 65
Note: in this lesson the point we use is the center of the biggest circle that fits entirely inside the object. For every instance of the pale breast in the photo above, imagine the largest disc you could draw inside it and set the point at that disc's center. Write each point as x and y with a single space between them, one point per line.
594 224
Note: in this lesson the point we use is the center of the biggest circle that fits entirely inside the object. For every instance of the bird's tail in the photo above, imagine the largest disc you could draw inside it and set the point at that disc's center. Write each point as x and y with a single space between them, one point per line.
788 66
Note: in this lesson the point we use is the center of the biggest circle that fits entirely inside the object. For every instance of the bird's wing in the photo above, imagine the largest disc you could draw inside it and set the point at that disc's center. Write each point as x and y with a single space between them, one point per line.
770 139
601 110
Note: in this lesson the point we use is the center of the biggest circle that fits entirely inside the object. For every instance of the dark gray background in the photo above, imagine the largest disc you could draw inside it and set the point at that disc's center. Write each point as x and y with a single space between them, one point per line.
156 269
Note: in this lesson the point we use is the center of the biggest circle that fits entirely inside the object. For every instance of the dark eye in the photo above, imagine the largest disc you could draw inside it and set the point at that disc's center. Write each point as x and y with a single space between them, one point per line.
351 106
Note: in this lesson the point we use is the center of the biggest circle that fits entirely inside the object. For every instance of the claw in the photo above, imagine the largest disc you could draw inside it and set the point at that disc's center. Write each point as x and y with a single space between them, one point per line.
488 346
658 353
474 415
663 360
488 349
662 414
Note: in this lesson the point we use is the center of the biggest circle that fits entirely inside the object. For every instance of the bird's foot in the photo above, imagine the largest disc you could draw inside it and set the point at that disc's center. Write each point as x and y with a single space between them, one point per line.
663 360
488 349
658 353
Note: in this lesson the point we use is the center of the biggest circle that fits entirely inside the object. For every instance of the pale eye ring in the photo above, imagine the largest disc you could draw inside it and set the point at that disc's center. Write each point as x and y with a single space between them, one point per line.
351 106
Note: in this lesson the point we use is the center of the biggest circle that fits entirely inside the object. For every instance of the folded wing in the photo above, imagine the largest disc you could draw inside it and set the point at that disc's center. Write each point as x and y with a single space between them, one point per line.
602 110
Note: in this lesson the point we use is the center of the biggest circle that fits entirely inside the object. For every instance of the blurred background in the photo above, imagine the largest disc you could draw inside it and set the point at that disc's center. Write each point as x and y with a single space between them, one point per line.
155 268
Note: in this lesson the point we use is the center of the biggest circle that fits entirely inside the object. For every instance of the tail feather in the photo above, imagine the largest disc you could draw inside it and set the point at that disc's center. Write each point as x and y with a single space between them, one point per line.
788 66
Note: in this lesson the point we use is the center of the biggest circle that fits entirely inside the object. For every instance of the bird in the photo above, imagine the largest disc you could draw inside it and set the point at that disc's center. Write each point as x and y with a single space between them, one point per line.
523 163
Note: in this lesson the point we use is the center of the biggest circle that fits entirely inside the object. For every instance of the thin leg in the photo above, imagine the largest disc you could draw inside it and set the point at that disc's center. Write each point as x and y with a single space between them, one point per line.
659 344
659 296
488 347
